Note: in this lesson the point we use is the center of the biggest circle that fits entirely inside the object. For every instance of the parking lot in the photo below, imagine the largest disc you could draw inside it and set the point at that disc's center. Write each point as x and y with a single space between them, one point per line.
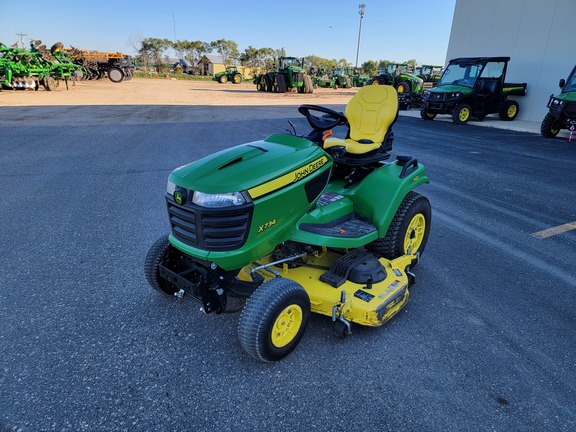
485 343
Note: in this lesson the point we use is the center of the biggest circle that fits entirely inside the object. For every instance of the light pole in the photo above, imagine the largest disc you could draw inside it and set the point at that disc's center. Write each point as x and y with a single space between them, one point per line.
361 11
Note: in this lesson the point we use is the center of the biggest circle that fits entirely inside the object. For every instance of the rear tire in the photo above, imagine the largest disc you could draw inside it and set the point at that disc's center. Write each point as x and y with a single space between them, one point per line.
550 126
408 230
237 79
154 257
509 111
274 319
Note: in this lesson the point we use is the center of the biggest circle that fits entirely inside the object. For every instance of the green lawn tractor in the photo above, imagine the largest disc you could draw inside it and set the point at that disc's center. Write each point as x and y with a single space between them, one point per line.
230 74
408 85
562 109
288 75
293 224
473 87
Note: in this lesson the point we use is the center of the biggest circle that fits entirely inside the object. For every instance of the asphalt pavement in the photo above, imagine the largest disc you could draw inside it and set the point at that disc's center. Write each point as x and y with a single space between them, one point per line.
486 342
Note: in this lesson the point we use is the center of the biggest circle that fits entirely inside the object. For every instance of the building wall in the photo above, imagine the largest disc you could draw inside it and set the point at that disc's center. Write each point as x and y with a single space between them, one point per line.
537 35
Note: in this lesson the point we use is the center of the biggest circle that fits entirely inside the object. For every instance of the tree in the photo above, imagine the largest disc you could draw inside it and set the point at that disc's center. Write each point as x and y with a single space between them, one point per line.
411 64
257 57
227 49
370 67
191 51
154 49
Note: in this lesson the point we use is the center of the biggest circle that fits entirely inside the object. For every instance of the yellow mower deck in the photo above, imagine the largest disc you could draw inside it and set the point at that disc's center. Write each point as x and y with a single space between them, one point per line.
362 304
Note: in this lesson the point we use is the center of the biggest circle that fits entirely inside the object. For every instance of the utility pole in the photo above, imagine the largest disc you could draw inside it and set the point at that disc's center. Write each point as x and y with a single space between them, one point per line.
21 38
361 12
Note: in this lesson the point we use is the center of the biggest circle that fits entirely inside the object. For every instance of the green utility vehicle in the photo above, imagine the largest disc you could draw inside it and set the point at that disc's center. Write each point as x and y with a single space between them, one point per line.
321 78
473 87
562 109
408 85
288 75
358 78
296 224
230 74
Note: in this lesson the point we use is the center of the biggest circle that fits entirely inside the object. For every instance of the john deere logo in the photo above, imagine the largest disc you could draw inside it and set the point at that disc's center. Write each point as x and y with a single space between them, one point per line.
178 197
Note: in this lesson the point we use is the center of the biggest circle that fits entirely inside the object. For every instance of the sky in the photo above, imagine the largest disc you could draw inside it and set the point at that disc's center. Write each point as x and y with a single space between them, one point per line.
391 30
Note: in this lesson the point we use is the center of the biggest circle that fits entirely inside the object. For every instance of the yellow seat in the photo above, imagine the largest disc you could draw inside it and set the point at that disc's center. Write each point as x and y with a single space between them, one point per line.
370 114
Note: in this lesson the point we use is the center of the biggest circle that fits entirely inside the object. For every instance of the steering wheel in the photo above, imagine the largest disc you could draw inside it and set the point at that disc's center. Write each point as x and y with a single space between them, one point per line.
329 120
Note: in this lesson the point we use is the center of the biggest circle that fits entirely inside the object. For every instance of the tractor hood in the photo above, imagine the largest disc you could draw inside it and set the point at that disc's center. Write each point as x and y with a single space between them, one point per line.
247 166
452 89
569 96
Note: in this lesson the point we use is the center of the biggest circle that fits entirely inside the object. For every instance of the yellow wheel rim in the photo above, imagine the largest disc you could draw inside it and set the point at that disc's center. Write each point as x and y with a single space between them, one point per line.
400 89
237 79
512 110
554 129
464 114
415 233
287 325
375 82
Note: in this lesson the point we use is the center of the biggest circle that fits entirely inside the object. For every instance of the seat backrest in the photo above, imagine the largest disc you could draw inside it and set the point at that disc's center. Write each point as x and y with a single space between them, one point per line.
371 112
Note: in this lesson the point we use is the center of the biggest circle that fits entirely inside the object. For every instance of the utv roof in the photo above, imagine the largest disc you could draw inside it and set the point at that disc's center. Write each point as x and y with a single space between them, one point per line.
474 60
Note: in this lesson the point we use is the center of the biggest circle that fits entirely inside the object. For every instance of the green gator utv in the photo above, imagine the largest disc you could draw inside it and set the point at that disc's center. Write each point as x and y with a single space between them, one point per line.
230 74
562 109
297 224
288 75
473 87
430 74
341 78
408 85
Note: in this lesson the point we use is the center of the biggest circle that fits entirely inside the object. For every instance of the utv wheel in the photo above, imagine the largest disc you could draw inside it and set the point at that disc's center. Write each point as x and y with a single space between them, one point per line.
223 79
408 230
274 319
550 126
425 114
509 111
153 259
461 113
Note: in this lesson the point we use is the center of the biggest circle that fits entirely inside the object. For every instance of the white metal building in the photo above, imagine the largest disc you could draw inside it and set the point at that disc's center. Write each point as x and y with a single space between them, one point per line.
538 35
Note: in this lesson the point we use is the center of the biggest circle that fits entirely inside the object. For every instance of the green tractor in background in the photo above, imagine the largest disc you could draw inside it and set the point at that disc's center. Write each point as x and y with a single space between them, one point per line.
562 109
430 74
341 78
357 77
288 75
231 74
321 78
408 85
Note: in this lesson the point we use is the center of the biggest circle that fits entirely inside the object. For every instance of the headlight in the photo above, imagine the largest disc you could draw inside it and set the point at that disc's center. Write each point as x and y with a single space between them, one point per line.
218 200
557 102
170 188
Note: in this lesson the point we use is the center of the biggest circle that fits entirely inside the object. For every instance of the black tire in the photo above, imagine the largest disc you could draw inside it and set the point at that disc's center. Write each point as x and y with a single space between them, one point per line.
414 211
425 114
115 75
550 126
462 113
403 87
509 110
223 79
280 84
274 319
153 259
269 83
49 83
236 79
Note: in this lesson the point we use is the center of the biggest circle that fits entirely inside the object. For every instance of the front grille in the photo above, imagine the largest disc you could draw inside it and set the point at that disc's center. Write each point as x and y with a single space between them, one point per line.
211 229
298 76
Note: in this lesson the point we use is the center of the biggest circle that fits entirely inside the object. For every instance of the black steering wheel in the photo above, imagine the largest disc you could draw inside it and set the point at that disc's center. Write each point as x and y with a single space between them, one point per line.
329 120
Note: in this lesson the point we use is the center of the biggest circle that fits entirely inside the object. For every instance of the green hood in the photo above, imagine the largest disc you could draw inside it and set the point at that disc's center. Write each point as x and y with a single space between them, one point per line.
248 165
452 88
568 96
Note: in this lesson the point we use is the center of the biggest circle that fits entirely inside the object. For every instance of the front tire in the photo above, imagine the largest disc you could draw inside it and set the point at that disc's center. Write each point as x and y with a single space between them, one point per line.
550 126
461 113
154 257
425 114
274 319
408 231
223 79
